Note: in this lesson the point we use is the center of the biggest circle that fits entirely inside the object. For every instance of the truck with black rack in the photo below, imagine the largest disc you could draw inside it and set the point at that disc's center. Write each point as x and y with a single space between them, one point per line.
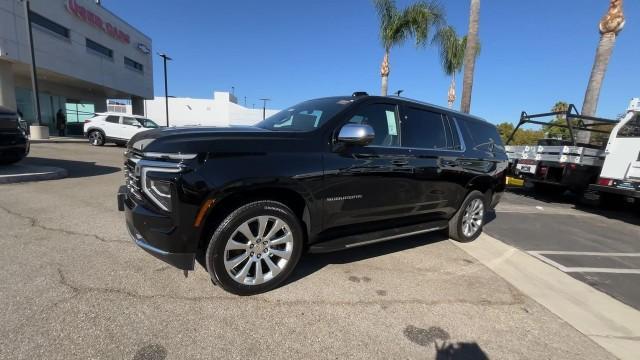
561 164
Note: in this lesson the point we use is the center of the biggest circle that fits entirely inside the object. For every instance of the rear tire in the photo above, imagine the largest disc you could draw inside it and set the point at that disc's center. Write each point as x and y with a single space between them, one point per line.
96 138
255 248
466 225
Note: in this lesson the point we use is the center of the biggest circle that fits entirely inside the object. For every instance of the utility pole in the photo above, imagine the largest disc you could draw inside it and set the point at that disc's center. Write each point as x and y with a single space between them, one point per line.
165 57
264 107
245 101
34 73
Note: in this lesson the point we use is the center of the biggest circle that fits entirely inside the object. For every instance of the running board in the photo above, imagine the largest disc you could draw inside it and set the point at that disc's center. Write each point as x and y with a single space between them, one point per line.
351 241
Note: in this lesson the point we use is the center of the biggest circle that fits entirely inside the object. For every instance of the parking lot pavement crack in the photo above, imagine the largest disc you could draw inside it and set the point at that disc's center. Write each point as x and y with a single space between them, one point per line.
33 222
516 299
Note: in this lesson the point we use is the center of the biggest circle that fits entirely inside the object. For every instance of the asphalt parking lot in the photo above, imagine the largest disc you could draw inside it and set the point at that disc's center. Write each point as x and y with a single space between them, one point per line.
73 285
600 247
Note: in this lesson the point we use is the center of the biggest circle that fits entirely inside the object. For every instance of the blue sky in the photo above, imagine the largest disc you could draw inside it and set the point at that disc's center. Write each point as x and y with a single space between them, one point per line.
533 52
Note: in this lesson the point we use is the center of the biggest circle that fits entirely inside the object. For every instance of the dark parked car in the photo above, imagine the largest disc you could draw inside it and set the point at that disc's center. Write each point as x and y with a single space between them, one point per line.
14 143
323 175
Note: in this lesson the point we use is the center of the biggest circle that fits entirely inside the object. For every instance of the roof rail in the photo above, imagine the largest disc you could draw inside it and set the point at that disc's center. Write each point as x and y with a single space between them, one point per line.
359 93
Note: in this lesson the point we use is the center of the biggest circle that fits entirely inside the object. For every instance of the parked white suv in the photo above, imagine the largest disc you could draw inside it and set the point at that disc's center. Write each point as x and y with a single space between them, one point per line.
115 127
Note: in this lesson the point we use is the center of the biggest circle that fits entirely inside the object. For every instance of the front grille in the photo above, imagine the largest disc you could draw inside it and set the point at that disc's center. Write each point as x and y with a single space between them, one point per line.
131 180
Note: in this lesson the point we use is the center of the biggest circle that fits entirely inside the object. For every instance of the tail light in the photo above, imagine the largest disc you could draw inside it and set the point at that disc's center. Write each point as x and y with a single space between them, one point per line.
605 182
87 121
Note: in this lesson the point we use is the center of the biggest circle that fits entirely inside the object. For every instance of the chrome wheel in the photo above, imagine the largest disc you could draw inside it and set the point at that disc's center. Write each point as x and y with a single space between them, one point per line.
95 138
258 250
473 217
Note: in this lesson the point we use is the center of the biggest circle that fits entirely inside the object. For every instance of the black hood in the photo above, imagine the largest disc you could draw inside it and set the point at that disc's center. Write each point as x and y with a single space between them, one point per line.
199 139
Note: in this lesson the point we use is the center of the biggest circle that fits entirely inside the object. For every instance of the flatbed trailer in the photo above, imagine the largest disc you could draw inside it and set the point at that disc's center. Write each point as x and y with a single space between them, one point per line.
563 164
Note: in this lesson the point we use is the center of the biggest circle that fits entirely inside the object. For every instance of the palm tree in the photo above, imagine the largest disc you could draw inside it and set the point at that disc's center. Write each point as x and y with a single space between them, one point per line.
452 50
558 132
397 26
470 56
610 25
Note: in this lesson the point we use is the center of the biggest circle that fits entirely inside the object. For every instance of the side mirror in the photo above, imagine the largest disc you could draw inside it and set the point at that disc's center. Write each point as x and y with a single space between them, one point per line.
357 134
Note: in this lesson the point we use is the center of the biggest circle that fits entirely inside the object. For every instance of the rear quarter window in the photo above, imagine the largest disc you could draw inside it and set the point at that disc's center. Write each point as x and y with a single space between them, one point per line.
113 119
484 136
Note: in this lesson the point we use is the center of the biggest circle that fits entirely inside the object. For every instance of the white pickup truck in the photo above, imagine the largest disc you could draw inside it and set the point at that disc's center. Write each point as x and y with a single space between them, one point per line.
620 174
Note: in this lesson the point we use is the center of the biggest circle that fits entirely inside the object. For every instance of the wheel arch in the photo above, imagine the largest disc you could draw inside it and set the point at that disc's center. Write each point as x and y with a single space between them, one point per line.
483 183
95 128
223 206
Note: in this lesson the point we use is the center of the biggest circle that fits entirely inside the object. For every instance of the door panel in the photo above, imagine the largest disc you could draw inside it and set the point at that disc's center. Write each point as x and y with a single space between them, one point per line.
112 126
368 183
437 155
623 151
129 127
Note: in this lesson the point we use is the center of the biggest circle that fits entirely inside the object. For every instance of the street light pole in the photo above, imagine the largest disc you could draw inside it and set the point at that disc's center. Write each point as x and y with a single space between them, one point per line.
264 107
34 73
165 57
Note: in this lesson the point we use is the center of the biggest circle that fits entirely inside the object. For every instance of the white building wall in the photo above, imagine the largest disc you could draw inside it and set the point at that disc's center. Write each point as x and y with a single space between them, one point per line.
222 110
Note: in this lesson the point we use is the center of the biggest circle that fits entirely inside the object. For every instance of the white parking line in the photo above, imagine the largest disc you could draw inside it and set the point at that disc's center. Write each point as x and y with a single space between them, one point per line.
540 255
529 209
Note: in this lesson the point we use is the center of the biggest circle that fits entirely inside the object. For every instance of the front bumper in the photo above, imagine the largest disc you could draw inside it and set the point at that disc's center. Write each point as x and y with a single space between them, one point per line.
154 233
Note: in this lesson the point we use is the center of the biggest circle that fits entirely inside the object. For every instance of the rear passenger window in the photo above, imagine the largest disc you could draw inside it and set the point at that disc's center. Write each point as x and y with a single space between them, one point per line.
631 129
130 121
382 118
484 135
113 119
423 129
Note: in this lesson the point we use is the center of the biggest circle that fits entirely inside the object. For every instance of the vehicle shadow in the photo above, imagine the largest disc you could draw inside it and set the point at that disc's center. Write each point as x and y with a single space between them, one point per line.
310 263
75 169
460 351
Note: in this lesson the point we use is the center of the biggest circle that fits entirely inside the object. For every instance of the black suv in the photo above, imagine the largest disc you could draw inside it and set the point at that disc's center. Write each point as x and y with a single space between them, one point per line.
323 175
14 143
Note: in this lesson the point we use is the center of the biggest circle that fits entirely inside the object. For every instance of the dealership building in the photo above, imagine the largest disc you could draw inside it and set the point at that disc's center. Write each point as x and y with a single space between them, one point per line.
84 55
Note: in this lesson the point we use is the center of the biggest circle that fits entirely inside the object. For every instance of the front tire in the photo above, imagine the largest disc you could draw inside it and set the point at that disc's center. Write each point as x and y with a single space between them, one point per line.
255 248
466 225
96 138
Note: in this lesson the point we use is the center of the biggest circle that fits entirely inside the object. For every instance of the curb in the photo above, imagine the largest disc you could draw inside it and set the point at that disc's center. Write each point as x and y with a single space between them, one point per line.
31 173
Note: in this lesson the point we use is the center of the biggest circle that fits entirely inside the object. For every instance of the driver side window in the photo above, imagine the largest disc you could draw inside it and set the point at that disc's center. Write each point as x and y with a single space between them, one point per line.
384 121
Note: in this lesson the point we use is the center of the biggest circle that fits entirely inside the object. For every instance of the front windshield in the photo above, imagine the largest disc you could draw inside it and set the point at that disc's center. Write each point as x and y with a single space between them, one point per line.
306 116
148 123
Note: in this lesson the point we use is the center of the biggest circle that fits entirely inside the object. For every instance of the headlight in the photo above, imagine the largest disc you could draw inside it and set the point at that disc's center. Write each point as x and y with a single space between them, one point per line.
157 188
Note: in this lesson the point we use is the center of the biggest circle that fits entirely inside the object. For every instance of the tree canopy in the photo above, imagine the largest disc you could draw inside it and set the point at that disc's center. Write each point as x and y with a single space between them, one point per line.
521 137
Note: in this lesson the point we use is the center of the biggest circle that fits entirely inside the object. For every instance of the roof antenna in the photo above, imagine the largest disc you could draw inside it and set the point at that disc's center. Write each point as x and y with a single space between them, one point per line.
398 93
